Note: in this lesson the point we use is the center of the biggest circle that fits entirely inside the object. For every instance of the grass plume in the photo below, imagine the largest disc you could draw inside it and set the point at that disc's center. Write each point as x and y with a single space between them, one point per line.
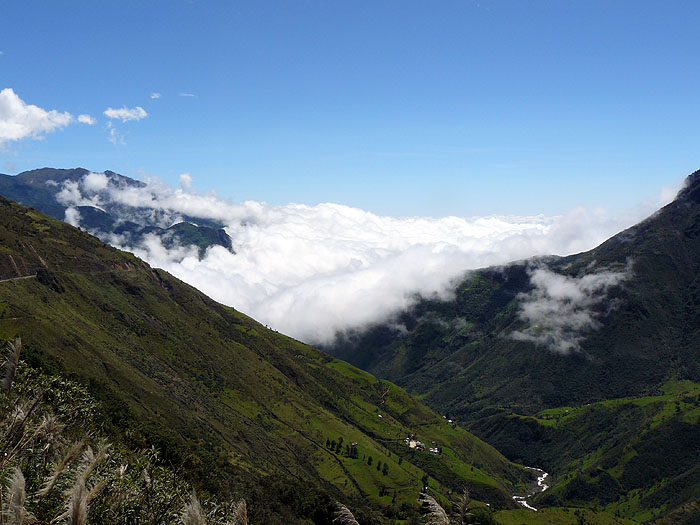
17 495
192 514
91 461
78 503
436 514
343 516
11 362
240 513
67 460
462 506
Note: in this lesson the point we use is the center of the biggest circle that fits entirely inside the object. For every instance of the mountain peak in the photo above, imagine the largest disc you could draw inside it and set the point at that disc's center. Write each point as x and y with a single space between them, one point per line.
691 188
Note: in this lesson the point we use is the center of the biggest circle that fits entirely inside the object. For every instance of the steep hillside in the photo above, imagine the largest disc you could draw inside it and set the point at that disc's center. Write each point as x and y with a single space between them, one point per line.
217 392
571 364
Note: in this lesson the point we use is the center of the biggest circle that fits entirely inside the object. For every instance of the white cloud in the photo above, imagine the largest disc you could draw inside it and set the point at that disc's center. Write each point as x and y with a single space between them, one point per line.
668 193
69 194
186 95
114 136
73 217
309 271
155 95
185 180
83 192
19 120
86 119
94 182
561 309
125 114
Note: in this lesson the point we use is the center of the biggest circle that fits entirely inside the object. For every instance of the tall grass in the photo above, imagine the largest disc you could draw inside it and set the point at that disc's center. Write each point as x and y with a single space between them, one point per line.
343 516
435 513
11 362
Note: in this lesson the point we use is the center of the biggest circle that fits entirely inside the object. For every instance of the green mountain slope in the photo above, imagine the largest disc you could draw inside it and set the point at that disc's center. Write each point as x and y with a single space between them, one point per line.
215 390
465 357
636 457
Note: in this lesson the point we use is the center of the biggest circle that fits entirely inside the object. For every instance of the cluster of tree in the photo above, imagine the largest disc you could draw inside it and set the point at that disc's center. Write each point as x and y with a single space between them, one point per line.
350 450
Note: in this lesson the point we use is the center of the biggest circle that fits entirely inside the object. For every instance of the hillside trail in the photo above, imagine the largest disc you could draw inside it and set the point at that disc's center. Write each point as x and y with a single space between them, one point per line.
84 272
17 278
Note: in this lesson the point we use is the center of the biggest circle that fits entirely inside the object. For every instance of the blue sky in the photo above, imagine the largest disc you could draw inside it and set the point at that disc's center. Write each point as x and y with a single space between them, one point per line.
400 108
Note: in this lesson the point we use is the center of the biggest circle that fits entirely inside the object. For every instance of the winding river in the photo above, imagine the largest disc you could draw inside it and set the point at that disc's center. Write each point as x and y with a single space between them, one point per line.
541 486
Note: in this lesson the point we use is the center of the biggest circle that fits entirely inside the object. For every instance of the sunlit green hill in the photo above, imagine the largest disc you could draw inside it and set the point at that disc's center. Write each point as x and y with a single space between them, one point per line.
219 394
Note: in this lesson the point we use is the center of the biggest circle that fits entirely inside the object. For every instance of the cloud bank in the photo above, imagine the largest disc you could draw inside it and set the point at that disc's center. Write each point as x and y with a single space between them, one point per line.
311 271
561 309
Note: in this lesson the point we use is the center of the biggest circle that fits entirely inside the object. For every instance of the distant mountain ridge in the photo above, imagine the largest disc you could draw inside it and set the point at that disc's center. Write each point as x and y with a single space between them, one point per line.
40 188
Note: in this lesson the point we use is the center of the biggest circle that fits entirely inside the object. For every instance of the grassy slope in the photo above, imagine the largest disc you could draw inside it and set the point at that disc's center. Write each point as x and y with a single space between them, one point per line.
213 383
635 457
554 516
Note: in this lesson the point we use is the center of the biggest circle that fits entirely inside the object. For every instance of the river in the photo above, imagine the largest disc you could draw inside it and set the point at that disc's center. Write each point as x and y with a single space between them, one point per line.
541 486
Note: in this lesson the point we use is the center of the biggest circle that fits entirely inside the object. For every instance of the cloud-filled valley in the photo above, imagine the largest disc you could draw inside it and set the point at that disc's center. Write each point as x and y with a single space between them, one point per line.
311 271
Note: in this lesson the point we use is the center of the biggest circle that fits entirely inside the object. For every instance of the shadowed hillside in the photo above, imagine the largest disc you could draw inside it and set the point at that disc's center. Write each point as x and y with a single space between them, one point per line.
609 328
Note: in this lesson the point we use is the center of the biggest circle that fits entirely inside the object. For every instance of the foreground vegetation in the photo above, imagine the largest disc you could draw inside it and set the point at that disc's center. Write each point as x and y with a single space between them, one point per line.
60 466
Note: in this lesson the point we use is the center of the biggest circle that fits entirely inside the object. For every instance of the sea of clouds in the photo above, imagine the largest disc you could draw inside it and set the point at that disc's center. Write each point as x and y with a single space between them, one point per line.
314 271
